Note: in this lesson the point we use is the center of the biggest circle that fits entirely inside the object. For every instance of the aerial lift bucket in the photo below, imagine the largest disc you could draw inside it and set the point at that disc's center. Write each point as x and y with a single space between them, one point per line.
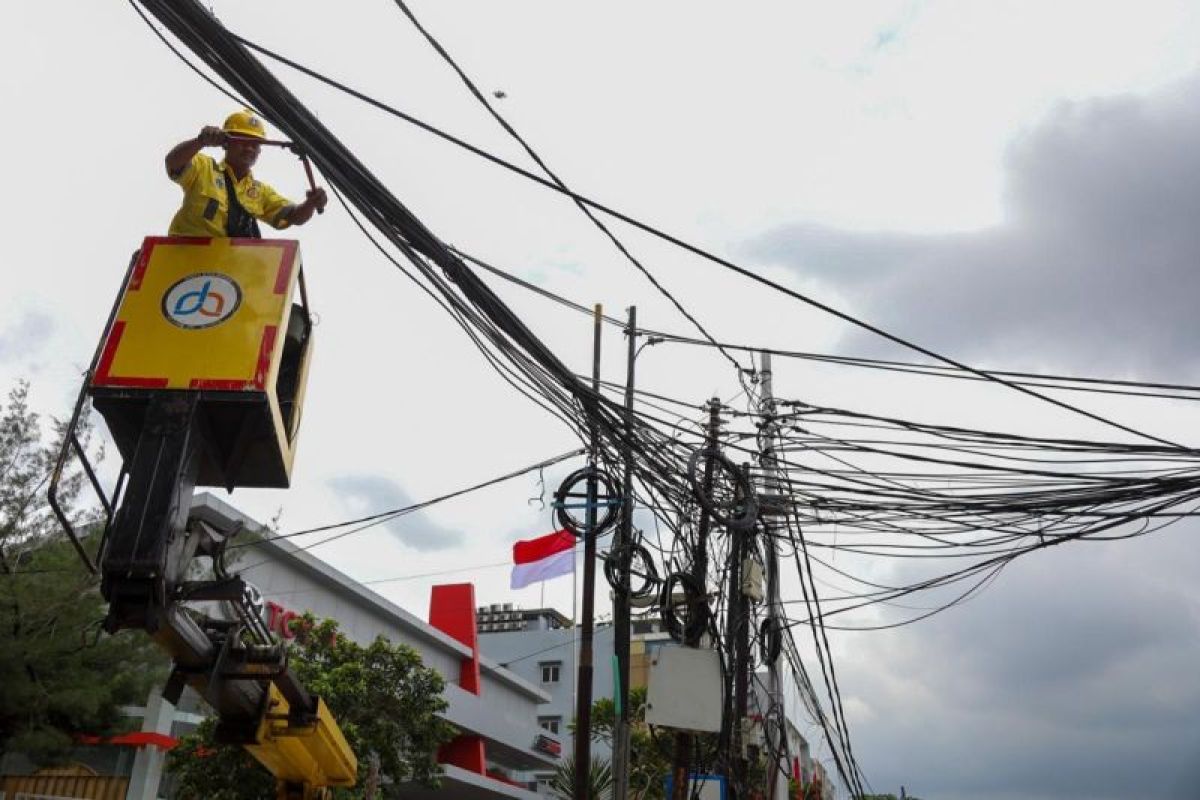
200 378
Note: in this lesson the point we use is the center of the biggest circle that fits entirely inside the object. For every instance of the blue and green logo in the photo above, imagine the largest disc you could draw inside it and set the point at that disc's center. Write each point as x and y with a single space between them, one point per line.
201 300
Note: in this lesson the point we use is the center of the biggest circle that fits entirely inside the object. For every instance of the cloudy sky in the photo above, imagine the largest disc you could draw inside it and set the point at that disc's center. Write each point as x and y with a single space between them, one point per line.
1011 183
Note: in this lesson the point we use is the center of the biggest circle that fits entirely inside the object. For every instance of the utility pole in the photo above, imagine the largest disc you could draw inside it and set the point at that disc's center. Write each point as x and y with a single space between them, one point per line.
623 546
742 695
681 759
737 634
731 722
583 700
770 465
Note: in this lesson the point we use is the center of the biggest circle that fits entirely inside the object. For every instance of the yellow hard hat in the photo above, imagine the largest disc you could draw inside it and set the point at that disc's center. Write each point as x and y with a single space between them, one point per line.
245 123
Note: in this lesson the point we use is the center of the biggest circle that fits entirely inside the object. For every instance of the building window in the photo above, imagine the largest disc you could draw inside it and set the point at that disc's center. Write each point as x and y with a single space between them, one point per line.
551 671
551 724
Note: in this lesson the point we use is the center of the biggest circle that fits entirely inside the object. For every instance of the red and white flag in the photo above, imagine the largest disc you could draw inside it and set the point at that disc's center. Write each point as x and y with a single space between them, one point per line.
542 558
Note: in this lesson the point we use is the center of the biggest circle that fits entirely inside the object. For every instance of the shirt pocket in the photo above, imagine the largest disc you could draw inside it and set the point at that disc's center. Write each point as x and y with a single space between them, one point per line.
210 202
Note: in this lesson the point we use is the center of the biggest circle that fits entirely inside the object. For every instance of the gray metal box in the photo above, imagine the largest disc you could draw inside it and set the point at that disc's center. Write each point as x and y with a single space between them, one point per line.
685 689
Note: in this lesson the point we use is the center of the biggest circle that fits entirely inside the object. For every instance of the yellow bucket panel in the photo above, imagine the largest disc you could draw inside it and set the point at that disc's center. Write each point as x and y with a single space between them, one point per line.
202 313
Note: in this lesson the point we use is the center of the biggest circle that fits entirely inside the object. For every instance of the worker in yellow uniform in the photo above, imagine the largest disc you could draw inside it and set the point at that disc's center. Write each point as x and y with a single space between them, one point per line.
223 198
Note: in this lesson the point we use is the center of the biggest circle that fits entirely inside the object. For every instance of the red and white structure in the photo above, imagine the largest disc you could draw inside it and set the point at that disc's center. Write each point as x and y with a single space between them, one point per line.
543 558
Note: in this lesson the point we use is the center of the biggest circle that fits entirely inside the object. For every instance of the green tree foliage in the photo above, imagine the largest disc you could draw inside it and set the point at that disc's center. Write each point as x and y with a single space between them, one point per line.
59 677
201 769
599 781
649 759
649 752
383 698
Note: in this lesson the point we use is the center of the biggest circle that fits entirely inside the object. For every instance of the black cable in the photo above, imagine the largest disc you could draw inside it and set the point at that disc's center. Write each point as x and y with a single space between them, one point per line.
382 517
187 62
511 661
1073 503
513 379
695 602
825 659
411 237
651 472
1091 384
698 251
587 212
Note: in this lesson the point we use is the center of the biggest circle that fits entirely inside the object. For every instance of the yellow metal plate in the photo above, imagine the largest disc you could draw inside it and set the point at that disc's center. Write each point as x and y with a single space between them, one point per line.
202 313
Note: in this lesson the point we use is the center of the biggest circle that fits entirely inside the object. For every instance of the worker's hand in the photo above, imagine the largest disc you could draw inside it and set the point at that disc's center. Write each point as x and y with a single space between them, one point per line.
211 136
314 202
317 199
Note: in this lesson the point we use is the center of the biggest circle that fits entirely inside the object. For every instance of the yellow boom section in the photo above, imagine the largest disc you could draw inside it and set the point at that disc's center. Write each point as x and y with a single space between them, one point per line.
303 758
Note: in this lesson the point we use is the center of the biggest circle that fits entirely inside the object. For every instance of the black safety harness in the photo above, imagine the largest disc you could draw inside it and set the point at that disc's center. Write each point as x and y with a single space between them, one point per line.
238 221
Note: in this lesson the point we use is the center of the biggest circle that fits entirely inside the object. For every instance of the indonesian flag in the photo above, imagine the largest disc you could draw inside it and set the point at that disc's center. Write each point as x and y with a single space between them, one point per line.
542 558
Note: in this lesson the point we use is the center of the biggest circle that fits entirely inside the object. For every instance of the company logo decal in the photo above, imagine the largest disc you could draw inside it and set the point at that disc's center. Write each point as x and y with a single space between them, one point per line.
201 300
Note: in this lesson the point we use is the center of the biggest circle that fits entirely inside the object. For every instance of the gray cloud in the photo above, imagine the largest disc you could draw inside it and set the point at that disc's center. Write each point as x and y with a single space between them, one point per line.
25 335
371 494
1070 678
1097 264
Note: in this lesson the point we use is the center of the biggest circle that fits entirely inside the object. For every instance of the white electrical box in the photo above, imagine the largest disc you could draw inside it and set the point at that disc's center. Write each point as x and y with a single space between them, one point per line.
685 689
752 580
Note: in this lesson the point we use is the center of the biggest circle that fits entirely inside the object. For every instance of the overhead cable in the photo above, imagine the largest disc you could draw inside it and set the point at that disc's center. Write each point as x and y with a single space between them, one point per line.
698 251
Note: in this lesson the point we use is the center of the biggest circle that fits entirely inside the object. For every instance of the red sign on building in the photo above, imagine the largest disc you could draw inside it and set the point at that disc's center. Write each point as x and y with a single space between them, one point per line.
279 619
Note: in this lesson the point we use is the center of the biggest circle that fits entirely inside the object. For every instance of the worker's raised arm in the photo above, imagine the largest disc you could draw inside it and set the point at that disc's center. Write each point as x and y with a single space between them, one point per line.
315 201
181 154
